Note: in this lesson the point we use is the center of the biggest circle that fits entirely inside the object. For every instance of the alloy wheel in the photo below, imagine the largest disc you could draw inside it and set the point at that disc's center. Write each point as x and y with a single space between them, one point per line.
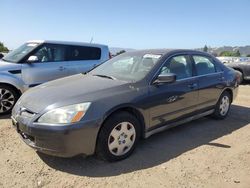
7 100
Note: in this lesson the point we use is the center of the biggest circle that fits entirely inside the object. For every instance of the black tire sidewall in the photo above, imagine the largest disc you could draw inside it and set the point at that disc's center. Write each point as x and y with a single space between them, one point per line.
217 113
102 142
14 93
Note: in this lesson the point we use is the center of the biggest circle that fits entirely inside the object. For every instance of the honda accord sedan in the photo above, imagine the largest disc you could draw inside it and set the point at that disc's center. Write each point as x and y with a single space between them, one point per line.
132 96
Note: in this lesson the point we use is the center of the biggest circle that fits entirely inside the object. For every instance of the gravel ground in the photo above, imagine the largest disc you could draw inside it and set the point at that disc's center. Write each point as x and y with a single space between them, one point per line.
203 153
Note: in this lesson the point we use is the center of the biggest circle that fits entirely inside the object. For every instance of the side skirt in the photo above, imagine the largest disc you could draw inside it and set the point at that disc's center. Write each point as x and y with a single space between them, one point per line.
174 124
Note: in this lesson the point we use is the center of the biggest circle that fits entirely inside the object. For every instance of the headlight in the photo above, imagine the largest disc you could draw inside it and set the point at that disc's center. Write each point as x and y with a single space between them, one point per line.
67 114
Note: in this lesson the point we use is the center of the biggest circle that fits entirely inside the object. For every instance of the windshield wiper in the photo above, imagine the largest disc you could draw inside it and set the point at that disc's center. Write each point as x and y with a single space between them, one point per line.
105 76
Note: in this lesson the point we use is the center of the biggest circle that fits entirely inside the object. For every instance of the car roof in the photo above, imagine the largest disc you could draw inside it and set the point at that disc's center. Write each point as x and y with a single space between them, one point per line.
167 51
67 43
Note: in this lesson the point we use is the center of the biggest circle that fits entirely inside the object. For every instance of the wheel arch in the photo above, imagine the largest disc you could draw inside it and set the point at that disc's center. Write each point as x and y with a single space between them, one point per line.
12 86
13 82
124 108
230 91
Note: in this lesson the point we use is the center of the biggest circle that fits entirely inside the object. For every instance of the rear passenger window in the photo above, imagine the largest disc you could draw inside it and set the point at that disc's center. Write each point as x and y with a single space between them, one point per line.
204 65
179 65
77 53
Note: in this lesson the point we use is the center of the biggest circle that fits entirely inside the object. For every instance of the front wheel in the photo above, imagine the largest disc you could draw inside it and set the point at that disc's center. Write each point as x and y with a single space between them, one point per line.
118 137
8 98
223 105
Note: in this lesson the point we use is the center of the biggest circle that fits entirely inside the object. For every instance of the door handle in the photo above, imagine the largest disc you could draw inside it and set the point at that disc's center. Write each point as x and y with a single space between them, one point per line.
193 85
61 68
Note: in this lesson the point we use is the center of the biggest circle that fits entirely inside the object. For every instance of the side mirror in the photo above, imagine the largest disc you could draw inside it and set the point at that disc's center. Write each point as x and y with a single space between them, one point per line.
165 78
32 59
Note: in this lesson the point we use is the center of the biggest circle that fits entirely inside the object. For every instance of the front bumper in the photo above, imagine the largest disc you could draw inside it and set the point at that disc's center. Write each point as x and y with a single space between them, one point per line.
63 141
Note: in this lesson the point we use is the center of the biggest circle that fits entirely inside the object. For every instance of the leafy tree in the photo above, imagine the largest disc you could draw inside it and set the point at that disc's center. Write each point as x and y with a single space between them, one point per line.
237 53
248 55
205 49
230 54
3 48
226 53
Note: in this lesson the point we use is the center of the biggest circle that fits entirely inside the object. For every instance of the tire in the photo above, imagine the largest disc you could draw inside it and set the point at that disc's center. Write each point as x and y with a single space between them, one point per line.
8 98
223 106
118 137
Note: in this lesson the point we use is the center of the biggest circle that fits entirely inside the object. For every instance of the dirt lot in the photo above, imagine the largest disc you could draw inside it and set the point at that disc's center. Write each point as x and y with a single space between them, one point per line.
203 153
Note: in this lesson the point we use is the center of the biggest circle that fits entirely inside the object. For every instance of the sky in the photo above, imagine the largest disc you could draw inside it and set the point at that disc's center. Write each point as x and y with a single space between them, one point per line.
136 24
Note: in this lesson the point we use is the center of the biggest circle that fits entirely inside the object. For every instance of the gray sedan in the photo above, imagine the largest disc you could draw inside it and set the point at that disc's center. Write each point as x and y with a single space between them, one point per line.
129 97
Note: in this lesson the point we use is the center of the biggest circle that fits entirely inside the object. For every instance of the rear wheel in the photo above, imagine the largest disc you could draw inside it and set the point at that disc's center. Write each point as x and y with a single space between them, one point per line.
223 106
118 137
8 98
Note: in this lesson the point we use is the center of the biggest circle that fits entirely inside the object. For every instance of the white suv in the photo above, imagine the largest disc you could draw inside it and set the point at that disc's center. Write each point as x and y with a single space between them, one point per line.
36 62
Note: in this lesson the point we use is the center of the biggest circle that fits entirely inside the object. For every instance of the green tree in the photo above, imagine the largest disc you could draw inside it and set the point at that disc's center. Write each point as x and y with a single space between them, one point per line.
3 48
237 53
230 54
248 55
205 49
226 53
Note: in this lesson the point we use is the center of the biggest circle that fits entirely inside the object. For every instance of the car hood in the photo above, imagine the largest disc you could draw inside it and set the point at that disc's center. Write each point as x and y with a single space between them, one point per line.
69 90
6 66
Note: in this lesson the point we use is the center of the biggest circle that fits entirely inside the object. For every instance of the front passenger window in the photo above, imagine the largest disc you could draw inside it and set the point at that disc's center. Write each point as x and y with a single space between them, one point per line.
203 65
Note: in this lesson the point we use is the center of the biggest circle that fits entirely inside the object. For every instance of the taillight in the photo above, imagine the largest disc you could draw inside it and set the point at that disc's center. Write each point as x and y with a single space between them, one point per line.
238 76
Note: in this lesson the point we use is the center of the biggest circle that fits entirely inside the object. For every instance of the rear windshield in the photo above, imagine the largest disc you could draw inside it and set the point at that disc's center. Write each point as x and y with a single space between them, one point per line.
78 53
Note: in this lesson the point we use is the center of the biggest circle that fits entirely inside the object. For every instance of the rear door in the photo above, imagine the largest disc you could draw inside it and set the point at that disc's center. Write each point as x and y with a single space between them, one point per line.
82 58
171 101
50 65
210 80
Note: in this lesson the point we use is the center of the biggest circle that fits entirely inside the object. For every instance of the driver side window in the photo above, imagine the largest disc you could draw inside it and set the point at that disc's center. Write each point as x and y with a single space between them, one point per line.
179 65
50 53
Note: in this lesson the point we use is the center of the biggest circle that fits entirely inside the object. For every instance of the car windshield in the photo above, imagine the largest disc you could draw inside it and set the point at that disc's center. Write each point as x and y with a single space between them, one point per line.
17 54
129 67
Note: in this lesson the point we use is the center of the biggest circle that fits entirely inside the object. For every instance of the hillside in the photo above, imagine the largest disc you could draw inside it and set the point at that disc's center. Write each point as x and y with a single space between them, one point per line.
244 50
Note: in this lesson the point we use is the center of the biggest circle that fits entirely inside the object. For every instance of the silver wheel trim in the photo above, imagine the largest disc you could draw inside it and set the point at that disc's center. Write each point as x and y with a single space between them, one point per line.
121 138
7 100
224 105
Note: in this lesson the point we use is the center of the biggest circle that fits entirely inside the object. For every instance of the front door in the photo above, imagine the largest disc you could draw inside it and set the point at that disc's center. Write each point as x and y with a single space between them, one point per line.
50 65
174 100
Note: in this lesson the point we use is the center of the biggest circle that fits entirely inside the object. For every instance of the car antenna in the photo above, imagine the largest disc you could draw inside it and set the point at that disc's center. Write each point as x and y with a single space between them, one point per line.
91 40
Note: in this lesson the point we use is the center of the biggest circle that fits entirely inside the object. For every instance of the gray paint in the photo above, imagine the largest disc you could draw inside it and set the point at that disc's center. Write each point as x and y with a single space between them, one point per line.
160 106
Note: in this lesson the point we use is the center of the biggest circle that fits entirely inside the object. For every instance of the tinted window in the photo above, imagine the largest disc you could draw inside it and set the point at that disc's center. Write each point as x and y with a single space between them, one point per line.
77 53
50 53
204 65
179 65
